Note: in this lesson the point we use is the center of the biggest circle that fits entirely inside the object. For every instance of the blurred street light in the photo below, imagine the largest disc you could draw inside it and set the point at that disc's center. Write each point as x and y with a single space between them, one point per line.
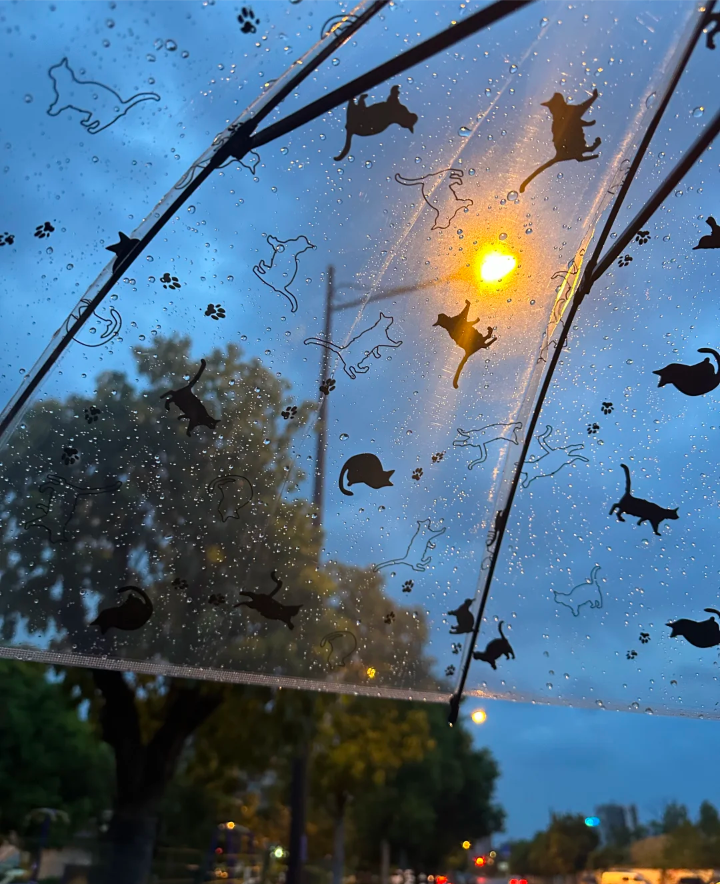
479 716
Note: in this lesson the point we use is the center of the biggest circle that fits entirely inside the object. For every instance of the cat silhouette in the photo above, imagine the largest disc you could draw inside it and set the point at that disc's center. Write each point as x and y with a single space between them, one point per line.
192 408
495 649
235 493
465 618
567 133
371 119
365 468
587 593
341 645
416 556
109 326
484 436
283 267
268 607
443 200
354 354
692 380
713 28
710 240
465 336
643 509
59 508
551 461
132 613
700 633
101 105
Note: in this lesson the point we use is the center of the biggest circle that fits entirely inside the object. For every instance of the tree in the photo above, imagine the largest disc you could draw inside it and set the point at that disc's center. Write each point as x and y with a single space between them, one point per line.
160 531
562 849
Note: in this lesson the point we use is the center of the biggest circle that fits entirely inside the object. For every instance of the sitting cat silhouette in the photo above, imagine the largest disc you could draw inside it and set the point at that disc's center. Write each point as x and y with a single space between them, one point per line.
482 437
567 133
354 354
101 105
495 649
587 593
365 468
643 509
710 240
341 645
465 336
267 606
713 28
364 119
132 613
283 267
444 201
192 408
692 380
700 633
416 556
235 493
465 618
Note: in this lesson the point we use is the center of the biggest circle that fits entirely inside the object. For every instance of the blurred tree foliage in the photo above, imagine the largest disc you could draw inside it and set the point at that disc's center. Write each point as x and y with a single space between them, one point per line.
563 848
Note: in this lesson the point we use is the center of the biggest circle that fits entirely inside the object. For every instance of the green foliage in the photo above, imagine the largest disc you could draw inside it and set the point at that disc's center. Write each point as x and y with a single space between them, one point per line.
564 848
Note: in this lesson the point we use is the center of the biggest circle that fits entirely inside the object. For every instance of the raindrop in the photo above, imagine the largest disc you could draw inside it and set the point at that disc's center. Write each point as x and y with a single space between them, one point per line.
544 22
69 266
28 99
150 57
295 2
284 150
158 44
559 175
463 132
185 53
110 23
512 196
503 236
231 278
666 238
344 437
548 685
170 45
368 164
488 90
106 44
651 99
471 172
96 159
191 210
678 193
336 62
49 250
528 230
698 111
513 68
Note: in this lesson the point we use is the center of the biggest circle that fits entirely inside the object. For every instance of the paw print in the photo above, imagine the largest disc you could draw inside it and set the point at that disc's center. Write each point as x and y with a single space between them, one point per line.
327 388
631 655
408 585
289 412
642 236
438 456
592 429
6 239
248 20
178 583
92 414
70 456
42 231
450 671
169 282
456 648
215 311
217 599
607 408
644 637
417 474
625 260
388 618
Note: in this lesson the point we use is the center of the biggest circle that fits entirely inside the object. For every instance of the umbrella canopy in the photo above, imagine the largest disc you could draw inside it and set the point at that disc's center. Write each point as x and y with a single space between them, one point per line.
322 420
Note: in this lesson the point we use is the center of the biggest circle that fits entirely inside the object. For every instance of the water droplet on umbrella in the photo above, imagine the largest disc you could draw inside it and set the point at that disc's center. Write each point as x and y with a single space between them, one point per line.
336 61
28 99
49 250
150 57
185 53
368 164
463 132
543 22
170 45
69 266
503 236
559 175
96 159
488 90
344 437
698 111
513 68
191 210
284 150
678 193
650 100
110 23
512 195
666 238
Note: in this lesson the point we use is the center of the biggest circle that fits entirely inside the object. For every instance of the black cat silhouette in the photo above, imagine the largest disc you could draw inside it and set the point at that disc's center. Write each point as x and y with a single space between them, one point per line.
365 468
465 618
122 248
713 28
465 336
363 119
692 380
643 509
268 607
567 133
192 408
495 649
710 240
701 633
132 613
59 508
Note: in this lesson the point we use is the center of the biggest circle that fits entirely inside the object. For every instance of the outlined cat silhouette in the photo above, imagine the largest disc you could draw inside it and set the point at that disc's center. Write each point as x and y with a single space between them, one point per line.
101 105
416 556
551 461
484 436
59 508
441 196
587 593
283 267
357 350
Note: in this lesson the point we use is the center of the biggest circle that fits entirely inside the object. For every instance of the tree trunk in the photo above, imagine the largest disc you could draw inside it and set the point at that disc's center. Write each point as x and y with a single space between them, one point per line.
338 863
132 842
384 862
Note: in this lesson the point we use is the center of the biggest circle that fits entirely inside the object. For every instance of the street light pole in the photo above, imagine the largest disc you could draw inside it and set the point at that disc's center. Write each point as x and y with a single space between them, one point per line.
321 425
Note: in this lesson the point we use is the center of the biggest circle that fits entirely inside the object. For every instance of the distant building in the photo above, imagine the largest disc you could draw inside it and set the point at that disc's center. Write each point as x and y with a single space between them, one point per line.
614 829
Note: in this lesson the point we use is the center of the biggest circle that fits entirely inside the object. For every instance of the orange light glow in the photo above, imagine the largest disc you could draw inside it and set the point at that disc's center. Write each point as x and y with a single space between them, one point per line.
466 845
371 672
479 716
479 861
493 264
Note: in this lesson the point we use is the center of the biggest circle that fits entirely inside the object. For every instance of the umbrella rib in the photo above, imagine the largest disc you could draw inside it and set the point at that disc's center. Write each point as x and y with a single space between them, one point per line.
590 276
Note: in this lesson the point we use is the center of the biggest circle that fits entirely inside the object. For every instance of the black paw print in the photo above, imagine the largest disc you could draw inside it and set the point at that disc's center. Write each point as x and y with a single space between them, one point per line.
179 583
631 655
6 239
450 671
92 414
408 585
625 260
438 456
169 282
417 474
388 618
42 231
248 20
607 408
70 456
592 429
215 311
217 599
327 388
642 236
644 637
289 412
456 648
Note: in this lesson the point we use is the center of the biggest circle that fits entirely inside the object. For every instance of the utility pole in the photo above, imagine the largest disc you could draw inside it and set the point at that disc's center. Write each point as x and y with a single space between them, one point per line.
321 441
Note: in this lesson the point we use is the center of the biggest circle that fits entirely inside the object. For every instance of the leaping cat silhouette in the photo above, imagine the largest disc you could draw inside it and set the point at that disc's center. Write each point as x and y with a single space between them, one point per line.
443 200
363 119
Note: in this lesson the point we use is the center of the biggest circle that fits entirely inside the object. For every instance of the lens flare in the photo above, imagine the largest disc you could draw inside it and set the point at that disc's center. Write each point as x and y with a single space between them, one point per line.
494 265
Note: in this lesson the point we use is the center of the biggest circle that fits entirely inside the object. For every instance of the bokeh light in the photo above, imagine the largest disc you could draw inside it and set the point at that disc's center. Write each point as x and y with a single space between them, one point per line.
493 265
479 716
